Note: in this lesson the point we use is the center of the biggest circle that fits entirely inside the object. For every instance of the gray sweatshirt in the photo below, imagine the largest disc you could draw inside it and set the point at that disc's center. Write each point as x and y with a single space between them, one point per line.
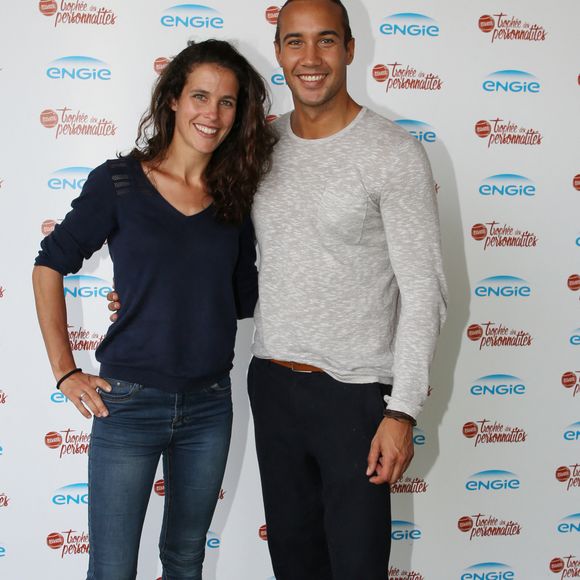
351 278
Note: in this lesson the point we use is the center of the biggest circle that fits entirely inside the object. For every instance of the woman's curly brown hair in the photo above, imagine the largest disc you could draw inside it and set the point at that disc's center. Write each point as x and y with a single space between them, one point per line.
238 164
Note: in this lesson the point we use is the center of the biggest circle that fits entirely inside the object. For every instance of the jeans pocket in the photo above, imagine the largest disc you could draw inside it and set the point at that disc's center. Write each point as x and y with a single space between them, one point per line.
222 386
120 390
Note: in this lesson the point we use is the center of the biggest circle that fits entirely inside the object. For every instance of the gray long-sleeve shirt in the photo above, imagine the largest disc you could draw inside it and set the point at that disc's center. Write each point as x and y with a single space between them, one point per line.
351 278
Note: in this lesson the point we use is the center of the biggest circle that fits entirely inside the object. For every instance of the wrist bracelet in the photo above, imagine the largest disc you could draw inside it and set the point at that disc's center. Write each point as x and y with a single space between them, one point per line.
65 377
399 416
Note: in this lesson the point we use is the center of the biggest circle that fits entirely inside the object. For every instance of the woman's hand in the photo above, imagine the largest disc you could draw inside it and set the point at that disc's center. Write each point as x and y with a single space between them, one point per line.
83 391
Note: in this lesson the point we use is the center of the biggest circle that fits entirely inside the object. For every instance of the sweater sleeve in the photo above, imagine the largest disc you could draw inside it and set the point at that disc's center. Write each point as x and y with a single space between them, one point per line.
246 274
85 227
409 213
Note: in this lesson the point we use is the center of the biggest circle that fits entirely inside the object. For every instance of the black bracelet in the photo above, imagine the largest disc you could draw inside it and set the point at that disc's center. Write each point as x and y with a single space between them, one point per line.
399 416
65 377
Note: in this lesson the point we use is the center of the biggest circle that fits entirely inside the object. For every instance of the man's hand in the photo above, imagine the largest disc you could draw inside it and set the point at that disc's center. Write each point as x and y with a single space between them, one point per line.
391 451
113 305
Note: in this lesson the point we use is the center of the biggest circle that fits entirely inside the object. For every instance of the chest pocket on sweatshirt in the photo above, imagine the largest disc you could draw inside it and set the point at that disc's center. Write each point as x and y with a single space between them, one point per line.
341 211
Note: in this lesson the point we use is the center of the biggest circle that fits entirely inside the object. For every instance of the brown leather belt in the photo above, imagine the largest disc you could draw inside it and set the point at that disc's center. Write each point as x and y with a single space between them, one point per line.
298 367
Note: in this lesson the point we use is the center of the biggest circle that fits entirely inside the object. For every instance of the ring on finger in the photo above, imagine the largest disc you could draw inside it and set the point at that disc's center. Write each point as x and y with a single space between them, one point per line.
82 396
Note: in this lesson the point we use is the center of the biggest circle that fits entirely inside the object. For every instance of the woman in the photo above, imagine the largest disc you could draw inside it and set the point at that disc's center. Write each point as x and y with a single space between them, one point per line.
175 215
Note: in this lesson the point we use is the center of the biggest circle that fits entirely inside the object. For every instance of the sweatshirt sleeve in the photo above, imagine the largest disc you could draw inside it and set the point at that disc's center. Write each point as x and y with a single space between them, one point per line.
409 213
85 227
246 274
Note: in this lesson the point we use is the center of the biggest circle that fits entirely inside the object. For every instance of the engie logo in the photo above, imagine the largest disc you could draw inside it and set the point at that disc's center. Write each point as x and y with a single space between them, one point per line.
569 524
278 79
569 474
419 436
569 566
75 493
572 432
68 178
575 337
498 385
2 551
489 571
57 398
409 24
571 380
507 185
503 287
493 480
213 541
420 130
511 81
402 530
192 16
480 526
82 68
81 286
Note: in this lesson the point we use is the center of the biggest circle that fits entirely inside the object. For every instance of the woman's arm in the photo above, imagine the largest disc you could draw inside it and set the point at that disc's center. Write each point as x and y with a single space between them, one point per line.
51 311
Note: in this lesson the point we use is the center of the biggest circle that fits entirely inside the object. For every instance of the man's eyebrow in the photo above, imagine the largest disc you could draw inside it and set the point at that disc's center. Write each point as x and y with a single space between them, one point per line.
300 35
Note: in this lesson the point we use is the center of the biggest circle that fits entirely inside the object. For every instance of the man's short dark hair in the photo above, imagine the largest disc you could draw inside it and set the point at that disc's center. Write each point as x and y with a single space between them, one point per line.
343 12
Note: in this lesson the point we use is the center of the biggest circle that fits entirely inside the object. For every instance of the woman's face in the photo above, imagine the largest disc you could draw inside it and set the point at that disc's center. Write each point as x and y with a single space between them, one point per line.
206 109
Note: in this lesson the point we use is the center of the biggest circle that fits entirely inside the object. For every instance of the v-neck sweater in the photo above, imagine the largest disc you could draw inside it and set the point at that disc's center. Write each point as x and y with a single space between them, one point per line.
182 280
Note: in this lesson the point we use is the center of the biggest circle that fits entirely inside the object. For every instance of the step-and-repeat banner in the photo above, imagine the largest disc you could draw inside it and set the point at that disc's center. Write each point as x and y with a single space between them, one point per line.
492 91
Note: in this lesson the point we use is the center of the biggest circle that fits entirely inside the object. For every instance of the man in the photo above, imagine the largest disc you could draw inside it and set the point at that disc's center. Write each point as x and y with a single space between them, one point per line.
352 297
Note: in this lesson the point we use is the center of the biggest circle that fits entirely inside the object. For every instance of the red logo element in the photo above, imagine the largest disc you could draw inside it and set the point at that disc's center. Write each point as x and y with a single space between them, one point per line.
465 524
488 432
3 397
271 118
506 27
493 334
501 132
574 282
263 533
82 339
478 232
486 23
480 526
2 291
49 118
48 7
576 180
497 235
406 77
53 440
47 227
563 473
571 380
222 493
4 500
272 14
470 430
380 73
474 332
569 474
556 565
410 485
482 129
398 574
159 64
159 487
569 566
54 541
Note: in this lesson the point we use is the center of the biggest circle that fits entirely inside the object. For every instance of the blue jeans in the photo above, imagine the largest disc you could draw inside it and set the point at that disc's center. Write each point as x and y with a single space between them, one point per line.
192 432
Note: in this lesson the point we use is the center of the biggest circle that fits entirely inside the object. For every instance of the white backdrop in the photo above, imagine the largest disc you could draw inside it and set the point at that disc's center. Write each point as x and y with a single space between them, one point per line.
492 90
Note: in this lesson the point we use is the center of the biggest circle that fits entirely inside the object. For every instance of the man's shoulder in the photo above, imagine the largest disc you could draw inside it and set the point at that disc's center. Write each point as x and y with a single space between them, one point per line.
385 127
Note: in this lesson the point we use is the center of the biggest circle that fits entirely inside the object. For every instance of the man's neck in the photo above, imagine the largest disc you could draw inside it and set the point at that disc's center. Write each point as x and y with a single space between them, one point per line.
323 121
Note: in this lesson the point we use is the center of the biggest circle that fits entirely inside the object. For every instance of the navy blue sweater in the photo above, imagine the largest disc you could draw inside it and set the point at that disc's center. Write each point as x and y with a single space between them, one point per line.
182 280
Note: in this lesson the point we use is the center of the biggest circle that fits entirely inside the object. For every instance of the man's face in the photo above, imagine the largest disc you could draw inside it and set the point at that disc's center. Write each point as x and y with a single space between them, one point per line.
312 52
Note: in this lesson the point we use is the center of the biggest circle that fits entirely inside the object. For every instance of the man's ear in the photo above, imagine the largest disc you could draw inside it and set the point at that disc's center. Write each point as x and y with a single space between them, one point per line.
277 51
350 51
